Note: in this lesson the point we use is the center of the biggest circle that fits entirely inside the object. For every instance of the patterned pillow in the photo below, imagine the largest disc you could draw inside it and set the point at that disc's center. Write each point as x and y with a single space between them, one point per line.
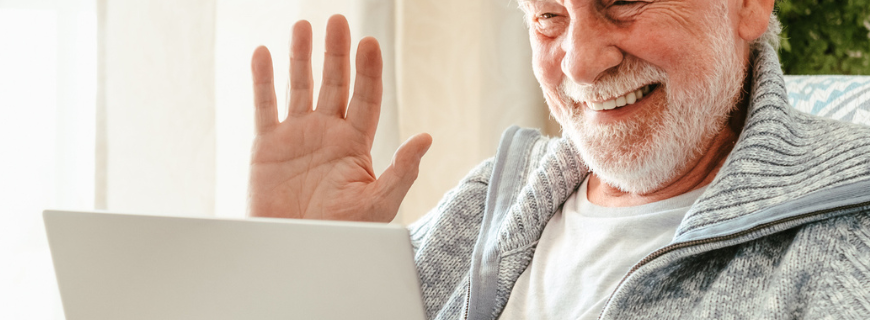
845 98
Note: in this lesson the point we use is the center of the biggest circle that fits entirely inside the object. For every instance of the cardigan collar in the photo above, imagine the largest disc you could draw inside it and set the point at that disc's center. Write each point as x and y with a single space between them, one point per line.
781 155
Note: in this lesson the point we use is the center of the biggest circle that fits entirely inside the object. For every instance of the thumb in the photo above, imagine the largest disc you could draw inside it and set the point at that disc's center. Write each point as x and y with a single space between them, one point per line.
401 174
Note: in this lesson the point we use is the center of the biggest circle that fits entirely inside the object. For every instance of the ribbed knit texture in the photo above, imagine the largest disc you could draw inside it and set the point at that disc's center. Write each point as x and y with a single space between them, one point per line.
813 267
818 271
782 154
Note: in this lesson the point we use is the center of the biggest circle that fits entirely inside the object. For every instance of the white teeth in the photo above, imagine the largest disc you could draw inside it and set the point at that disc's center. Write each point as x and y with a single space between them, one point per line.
597 106
620 101
628 98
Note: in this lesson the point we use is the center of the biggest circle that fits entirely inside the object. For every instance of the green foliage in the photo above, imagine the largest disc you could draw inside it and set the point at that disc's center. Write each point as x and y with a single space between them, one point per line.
825 36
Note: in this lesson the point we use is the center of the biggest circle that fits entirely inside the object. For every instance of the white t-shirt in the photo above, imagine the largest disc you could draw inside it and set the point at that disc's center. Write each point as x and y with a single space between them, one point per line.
584 252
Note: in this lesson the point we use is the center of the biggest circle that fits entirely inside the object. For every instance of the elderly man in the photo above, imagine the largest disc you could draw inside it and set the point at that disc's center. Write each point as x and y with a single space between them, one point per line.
684 186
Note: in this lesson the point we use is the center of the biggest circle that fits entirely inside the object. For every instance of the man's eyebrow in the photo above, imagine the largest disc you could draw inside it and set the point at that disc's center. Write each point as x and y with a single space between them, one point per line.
522 2
524 6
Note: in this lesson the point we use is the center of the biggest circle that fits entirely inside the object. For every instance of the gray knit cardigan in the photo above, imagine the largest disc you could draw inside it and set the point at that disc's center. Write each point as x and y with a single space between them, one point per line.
783 232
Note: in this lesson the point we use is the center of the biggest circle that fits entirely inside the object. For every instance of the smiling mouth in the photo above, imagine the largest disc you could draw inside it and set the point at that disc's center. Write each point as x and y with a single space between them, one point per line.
629 98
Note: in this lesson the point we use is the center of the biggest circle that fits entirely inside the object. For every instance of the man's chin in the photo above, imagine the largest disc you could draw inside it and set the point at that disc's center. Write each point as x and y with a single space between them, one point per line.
633 180
635 168
637 186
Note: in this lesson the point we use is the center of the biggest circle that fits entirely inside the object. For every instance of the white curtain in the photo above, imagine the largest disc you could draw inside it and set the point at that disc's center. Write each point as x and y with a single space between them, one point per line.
47 107
178 94
464 76
458 70
156 137
149 109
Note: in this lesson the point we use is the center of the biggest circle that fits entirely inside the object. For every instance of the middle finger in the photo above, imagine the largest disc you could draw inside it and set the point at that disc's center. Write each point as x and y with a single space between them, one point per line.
336 68
301 82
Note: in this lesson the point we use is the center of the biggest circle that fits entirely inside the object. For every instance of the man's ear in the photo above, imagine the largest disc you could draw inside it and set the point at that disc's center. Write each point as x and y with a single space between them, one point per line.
754 17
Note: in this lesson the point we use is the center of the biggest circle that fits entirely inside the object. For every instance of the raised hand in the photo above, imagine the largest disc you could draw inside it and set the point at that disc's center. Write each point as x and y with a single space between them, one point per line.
317 163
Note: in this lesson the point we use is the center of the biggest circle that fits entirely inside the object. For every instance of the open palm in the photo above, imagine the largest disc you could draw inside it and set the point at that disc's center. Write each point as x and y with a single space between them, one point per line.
317 164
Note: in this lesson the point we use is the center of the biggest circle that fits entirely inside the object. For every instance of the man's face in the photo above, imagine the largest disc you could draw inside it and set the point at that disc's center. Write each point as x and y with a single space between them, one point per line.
641 87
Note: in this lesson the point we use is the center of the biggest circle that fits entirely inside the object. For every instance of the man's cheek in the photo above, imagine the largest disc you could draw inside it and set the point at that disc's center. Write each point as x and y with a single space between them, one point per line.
547 66
557 106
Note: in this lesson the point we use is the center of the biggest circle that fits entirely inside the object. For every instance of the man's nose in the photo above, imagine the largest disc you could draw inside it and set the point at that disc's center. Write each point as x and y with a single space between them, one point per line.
589 50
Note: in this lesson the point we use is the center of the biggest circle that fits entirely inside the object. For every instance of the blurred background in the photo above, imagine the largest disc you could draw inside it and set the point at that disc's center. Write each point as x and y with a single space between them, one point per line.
145 106
825 36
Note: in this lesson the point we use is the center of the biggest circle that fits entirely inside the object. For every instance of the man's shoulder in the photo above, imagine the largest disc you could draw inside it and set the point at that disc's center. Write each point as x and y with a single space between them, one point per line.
853 227
840 139
782 155
541 157
837 251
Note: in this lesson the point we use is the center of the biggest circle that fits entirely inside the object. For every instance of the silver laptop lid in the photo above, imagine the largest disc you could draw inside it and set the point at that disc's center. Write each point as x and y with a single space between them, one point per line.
121 266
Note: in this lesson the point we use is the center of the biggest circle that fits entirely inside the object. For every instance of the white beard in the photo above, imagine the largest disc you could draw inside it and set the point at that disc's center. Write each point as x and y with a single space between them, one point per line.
671 139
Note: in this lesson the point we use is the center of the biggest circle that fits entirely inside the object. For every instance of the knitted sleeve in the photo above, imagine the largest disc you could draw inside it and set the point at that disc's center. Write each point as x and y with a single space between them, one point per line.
444 239
471 189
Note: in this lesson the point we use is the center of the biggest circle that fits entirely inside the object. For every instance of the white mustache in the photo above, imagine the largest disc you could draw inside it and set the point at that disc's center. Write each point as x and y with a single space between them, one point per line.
630 75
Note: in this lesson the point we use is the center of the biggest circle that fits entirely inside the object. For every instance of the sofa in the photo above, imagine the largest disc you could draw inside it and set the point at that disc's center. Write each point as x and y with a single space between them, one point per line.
844 98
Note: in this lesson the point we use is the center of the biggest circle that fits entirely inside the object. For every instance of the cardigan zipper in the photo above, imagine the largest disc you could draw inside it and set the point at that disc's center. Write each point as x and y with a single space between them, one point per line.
468 298
686 244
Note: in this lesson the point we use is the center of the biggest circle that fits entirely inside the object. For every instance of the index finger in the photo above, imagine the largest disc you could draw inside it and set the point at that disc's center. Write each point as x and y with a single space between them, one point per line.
365 106
265 105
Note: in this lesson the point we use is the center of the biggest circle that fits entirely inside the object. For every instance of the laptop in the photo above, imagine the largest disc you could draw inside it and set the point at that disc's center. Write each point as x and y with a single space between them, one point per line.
126 266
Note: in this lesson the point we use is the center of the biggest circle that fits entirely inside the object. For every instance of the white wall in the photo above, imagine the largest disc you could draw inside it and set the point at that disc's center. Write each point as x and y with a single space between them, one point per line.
47 84
158 140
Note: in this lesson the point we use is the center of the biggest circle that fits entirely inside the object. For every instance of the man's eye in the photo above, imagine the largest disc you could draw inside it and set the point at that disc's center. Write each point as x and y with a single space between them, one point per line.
626 2
624 9
550 24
